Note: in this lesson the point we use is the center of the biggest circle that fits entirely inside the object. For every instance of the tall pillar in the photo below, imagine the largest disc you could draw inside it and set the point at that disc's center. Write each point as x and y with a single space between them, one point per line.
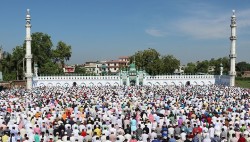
137 80
128 83
232 55
221 69
28 54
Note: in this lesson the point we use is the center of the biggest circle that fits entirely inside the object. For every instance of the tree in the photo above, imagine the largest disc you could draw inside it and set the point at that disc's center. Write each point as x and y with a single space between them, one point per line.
62 53
50 68
18 55
153 63
7 67
202 67
146 60
80 70
169 64
41 48
190 69
242 66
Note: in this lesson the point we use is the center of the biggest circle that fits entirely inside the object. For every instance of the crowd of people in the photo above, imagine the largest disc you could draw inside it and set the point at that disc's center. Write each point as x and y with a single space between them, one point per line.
125 114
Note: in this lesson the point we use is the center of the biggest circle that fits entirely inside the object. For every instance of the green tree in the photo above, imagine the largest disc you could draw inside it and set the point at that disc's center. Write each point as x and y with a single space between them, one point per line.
50 68
202 67
190 69
169 64
7 67
18 55
41 48
80 70
146 60
242 66
62 53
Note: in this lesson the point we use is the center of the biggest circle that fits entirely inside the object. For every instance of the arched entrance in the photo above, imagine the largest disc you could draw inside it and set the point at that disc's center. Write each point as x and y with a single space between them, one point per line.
132 82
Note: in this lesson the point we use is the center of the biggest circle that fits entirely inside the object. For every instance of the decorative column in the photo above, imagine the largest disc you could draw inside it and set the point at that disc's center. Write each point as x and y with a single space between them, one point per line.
35 70
232 55
28 54
137 80
128 83
221 69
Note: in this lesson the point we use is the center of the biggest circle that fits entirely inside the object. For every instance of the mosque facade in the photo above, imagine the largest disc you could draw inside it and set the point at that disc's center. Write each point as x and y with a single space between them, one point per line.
131 77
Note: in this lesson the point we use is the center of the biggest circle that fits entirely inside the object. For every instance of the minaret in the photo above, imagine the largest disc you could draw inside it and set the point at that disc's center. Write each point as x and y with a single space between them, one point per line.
232 55
28 55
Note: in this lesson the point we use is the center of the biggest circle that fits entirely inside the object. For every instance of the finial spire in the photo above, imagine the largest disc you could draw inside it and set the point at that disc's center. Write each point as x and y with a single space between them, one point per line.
28 11
233 12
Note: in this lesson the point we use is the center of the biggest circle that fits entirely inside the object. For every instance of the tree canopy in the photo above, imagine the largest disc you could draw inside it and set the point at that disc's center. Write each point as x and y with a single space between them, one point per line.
153 63
49 60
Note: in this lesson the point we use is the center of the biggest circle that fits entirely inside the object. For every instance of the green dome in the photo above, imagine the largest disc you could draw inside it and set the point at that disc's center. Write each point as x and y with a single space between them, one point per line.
132 66
104 66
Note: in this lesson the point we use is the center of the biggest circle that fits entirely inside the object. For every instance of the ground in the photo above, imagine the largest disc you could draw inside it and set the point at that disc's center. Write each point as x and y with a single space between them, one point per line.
242 83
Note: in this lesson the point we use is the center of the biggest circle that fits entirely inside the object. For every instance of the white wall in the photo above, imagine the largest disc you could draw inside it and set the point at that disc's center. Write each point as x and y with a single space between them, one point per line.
80 80
180 80
116 80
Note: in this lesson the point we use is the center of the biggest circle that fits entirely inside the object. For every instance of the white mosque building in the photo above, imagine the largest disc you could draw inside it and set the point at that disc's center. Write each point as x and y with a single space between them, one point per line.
130 77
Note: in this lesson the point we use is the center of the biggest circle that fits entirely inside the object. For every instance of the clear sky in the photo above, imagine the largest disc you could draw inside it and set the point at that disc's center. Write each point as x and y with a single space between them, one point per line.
191 30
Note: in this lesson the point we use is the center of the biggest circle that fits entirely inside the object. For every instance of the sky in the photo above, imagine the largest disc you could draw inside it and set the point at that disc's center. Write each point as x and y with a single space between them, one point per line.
190 30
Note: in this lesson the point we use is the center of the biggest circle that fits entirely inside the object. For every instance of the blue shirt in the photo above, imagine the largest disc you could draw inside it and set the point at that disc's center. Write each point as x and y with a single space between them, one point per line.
172 140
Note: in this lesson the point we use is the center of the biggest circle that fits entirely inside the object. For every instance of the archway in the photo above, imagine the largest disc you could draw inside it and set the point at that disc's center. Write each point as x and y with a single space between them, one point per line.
107 84
116 84
165 84
82 84
91 84
58 84
202 83
65 85
157 84
132 82
41 84
99 84
149 84
173 84
180 83
195 83
50 85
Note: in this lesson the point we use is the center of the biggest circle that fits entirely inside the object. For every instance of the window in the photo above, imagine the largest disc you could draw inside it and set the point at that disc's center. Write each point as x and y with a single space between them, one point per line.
115 69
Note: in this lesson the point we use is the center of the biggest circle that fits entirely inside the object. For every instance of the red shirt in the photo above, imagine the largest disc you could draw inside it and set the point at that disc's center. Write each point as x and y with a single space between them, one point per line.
195 130
83 133
199 129
209 120
242 139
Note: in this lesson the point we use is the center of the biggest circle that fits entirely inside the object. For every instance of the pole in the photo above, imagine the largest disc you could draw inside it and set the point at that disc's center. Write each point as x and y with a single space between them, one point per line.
23 69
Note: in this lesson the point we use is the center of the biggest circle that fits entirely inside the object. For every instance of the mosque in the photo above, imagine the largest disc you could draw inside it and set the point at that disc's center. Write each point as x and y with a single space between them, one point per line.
130 77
